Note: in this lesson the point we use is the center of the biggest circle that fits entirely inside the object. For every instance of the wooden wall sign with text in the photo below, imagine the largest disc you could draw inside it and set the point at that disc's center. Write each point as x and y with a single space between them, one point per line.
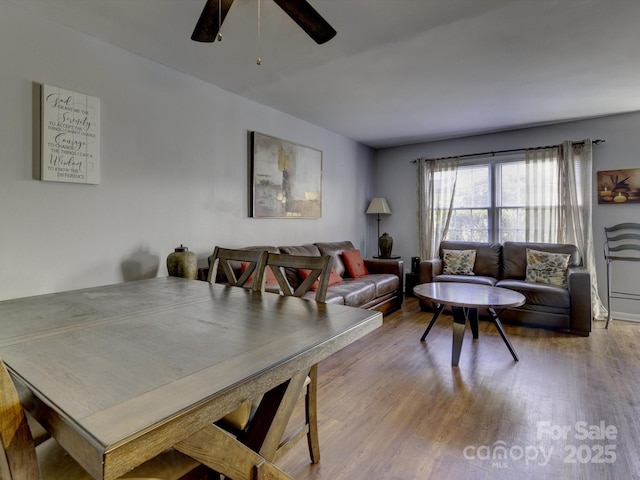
70 136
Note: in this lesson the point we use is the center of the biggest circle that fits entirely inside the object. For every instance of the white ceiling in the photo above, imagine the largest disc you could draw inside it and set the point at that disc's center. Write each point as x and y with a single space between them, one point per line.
398 71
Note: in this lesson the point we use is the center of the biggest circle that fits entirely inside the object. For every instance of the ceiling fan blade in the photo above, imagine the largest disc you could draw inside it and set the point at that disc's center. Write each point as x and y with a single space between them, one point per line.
308 19
208 24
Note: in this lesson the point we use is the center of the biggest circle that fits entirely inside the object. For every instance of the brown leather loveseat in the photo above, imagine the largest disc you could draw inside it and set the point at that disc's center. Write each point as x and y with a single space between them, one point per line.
567 309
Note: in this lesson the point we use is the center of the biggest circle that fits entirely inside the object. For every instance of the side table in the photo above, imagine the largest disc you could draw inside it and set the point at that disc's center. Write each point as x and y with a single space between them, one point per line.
410 281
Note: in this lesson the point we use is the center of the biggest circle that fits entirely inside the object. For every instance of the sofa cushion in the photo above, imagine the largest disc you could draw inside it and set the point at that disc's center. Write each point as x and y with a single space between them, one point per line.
539 294
477 279
355 292
458 262
334 250
354 264
307 249
547 268
515 256
332 297
488 256
384 282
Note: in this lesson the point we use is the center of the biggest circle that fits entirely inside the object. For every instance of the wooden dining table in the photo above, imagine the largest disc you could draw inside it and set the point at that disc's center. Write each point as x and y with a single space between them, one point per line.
120 373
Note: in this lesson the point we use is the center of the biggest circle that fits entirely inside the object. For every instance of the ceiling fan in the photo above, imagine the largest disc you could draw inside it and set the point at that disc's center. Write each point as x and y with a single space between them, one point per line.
300 11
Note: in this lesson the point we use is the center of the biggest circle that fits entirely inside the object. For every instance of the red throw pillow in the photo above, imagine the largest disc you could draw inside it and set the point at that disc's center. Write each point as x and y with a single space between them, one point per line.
271 278
354 263
333 278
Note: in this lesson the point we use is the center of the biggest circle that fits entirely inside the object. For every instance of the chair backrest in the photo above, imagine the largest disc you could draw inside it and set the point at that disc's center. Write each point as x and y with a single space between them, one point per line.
317 267
622 242
253 259
18 459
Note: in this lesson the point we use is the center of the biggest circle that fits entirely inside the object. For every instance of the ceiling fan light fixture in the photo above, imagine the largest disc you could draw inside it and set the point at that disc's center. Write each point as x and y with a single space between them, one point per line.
210 22
219 36
258 59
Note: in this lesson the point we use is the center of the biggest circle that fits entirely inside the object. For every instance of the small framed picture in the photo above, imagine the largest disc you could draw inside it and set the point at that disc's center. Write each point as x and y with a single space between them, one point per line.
619 186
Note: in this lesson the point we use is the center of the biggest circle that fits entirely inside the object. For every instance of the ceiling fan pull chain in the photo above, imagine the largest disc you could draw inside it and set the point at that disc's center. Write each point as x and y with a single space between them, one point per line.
219 20
258 60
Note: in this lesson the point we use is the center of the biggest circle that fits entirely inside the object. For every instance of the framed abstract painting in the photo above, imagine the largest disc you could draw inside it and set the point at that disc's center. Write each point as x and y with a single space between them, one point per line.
286 179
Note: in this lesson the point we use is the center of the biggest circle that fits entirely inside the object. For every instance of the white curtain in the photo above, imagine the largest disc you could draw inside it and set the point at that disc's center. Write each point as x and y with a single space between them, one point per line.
543 193
576 173
435 190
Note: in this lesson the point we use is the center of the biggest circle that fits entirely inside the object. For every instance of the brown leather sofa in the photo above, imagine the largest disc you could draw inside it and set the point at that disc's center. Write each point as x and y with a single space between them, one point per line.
381 289
504 265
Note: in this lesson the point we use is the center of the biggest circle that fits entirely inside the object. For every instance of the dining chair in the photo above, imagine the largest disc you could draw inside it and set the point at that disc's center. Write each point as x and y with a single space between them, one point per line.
315 271
249 262
622 244
20 459
312 274
241 268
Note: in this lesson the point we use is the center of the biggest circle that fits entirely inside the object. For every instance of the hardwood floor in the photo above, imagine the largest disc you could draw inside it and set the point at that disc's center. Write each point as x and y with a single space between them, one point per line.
393 408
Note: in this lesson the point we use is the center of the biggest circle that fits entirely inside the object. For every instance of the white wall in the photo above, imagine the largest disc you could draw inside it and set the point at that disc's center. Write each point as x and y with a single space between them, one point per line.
174 167
396 181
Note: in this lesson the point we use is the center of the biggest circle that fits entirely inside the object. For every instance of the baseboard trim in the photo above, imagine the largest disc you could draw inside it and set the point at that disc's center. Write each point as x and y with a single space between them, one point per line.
628 317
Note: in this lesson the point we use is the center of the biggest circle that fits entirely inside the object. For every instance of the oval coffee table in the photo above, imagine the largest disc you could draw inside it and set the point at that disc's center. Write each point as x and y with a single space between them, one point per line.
464 300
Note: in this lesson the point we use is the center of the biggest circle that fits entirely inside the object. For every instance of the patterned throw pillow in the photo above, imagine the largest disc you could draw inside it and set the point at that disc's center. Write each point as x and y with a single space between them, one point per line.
548 268
458 262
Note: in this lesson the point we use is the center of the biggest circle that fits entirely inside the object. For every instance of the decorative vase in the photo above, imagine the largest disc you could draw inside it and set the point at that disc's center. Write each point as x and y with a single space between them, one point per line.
182 263
385 244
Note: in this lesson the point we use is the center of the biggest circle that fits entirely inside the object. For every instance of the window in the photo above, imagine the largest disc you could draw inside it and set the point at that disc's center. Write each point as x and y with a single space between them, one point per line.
511 201
471 213
534 195
504 200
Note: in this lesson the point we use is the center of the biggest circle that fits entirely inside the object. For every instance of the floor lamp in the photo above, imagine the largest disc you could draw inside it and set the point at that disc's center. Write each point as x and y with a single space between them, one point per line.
378 206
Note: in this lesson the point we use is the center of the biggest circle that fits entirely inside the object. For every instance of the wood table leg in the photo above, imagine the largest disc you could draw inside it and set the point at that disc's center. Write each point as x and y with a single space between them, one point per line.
459 322
472 316
249 457
221 452
433 320
496 321
267 427
311 412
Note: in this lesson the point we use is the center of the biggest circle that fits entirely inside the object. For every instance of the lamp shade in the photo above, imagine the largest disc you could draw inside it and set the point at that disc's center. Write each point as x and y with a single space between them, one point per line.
378 205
